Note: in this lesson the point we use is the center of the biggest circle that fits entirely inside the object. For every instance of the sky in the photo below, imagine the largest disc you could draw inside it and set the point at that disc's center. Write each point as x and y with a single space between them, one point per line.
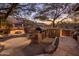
38 7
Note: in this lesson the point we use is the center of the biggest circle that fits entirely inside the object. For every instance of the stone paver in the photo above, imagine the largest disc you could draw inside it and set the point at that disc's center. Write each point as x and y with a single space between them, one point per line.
67 46
16 42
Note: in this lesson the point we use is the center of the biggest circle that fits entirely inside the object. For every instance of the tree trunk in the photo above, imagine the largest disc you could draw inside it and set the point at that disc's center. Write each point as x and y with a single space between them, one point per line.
11 9
53 23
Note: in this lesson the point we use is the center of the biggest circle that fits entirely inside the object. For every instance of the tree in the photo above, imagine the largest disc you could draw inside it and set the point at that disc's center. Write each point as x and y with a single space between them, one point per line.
54 11
42 11
5 9
75 16
41 17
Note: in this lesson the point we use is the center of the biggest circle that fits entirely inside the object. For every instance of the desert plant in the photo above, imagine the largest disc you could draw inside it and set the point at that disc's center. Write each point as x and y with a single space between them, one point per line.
5 26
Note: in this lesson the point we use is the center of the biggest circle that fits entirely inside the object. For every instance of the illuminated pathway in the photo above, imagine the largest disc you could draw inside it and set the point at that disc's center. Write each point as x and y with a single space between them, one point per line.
67 46
14 43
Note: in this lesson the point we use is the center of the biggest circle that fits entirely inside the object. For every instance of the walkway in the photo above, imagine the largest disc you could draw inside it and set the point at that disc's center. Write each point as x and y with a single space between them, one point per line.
67 47
15 46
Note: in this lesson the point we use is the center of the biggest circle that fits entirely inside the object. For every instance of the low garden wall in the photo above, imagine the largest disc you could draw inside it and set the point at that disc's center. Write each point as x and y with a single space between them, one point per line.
66 32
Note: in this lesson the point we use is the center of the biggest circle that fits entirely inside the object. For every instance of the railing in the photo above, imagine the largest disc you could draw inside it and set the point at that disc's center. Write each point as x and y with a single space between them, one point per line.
45 35
50 33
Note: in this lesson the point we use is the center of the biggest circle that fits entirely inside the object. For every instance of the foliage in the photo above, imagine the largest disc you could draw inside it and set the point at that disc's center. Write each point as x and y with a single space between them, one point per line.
41 17
4 26
42 11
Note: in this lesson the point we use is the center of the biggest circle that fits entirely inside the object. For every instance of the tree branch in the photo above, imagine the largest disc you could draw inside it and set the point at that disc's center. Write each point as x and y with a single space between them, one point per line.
10 9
